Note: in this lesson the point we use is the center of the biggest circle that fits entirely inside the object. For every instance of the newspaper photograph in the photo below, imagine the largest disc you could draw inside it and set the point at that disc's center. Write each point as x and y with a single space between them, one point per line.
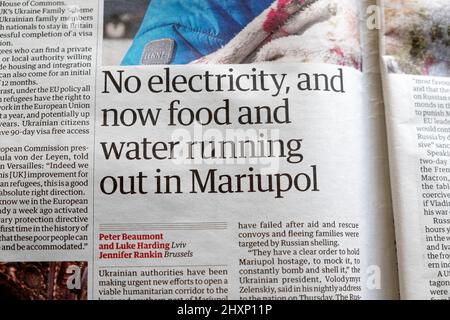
224 150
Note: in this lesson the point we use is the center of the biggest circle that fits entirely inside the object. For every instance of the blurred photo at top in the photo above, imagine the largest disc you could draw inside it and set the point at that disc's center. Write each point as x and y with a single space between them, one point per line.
155 32
417 37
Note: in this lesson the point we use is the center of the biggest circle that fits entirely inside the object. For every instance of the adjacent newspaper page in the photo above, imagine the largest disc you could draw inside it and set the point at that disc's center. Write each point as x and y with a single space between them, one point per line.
192 150
416 60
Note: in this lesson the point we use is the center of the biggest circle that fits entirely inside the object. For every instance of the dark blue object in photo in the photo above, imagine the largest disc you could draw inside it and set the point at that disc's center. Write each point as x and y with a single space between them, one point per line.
181 31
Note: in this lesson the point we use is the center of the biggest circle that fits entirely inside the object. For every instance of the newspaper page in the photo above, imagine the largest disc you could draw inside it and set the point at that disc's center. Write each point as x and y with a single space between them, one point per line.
192 150
416 60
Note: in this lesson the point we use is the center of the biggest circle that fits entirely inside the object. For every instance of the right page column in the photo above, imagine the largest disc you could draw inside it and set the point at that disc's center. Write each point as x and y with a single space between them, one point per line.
415 39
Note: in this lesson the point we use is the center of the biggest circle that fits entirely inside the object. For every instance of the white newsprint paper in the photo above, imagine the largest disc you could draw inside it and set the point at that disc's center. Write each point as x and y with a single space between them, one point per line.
195 150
